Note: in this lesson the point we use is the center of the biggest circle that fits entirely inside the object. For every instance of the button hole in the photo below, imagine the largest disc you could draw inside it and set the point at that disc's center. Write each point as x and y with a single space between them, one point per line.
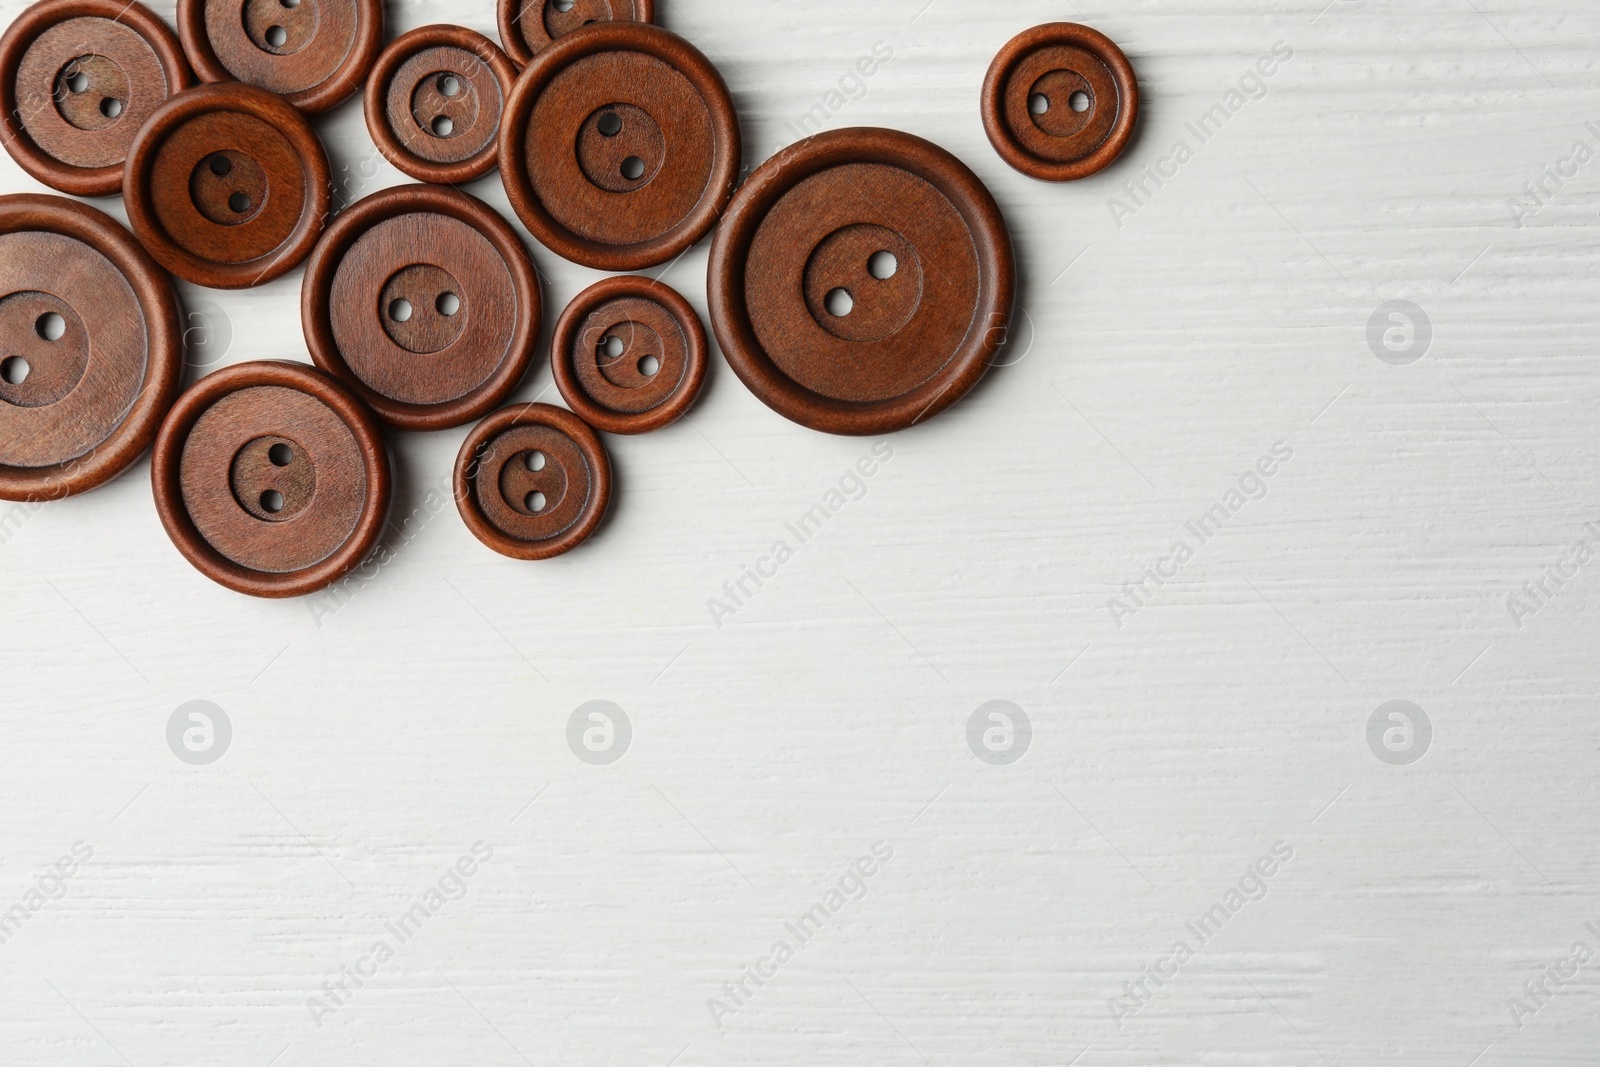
50 326
447 304
883 265
1078 101
14 369
280 454
272 501
535 502
633 168
536 461
649 365
276 36
839 303
400 310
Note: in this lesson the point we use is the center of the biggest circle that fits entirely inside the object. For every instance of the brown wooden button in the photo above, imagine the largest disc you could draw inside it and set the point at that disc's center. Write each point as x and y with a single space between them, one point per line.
314 53
1060 102
434 101
532 481
91 347
271 478
227 186
620 146
861 281
527 26
629 355
422 300
79 79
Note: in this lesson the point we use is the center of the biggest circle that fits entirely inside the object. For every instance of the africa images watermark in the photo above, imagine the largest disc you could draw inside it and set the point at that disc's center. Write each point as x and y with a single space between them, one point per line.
1253 886
852 485
1539 992
1252 86
1537 594
1252 486
851 887
48 887
334 599
1551 180
852 85
451 885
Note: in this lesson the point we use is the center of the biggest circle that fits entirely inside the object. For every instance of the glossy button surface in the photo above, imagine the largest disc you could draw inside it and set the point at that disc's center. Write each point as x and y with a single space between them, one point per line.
227 186
527 26
422 300
90 347
271 478
532 481
1060 102
620 146
434 101
314 53
629 355
861 281
77 79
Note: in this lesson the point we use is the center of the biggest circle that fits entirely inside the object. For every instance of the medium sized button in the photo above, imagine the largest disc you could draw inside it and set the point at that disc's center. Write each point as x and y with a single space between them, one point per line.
314 53
527 26
77 80
227 186
424 301
861 281
271 478
629 355
91 347
434 102
1060 102
532 481
620 146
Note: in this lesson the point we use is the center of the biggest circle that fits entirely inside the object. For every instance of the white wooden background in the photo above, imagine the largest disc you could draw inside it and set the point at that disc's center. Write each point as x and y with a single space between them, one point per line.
1155 362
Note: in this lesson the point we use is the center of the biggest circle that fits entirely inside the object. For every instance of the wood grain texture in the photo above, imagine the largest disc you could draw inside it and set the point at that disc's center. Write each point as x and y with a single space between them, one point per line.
527 26
1165 341
314 53
77 79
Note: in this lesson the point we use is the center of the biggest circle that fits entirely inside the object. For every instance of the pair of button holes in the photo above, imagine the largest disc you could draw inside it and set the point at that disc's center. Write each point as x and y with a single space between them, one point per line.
78 82
881 265
612 347
1039 103
279 455
443 125
535 501
447 304
14 370
610 125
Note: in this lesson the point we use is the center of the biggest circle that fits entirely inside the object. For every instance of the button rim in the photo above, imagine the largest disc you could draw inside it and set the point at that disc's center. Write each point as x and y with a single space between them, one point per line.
730 248
322 267
563 421
515 45
167 487
992 101
375 101
677 403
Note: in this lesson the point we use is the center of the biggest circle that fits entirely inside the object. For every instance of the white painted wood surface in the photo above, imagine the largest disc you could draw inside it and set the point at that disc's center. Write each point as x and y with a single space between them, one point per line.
1154 363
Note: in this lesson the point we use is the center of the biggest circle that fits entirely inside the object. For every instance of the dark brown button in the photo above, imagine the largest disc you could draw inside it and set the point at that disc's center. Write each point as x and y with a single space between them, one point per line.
77 79
271 478
620 146
1060 102
314 53
527 26
629 355
434 102
532 481
90 347
227 186
861 281
422 300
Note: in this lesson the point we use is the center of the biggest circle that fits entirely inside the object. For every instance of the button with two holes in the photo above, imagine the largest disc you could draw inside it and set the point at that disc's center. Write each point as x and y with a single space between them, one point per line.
528 26
314 53
77 79
532 481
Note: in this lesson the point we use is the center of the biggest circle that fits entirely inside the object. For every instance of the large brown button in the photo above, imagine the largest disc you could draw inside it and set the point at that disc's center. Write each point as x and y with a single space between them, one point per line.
861 281
422 300
1060 102
90 347
434 102
312 52
227 186
77 79
271 478
629 355
620 146
532 481
527 26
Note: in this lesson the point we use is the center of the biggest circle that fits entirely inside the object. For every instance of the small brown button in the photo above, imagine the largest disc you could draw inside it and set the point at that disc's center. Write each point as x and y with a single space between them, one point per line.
314 53
271 478
227 186
861 281
434 101
422 300
532 481
527 26
80 77
1060 102
620 146
629 355
90 347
